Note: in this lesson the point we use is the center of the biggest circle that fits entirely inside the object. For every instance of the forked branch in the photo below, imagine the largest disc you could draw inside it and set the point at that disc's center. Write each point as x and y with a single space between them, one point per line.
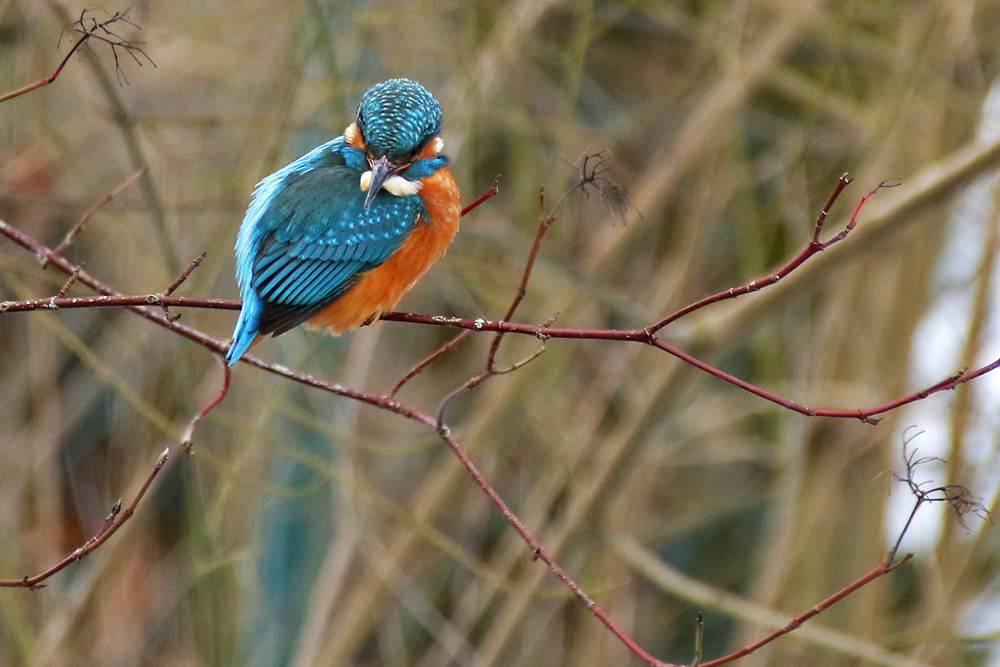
151 307
89 29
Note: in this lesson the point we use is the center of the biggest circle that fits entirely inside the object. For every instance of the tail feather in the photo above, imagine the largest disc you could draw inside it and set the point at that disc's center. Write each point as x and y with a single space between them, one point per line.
246 328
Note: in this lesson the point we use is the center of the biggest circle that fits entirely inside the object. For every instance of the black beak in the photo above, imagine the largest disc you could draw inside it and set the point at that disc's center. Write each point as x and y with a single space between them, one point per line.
382 169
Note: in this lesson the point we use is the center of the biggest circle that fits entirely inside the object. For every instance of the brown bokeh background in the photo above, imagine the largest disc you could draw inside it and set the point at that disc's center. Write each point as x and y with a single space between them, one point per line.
309 530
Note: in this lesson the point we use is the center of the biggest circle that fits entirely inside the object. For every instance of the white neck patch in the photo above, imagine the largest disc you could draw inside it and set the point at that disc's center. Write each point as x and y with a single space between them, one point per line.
394 185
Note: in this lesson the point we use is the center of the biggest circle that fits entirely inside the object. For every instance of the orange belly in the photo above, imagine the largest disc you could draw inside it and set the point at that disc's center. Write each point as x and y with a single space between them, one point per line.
379 290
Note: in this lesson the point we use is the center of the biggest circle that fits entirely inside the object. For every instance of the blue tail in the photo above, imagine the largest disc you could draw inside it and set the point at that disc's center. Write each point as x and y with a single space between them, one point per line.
246 328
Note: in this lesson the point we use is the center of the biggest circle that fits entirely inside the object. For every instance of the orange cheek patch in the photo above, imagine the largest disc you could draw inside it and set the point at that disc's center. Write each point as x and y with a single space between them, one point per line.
352 136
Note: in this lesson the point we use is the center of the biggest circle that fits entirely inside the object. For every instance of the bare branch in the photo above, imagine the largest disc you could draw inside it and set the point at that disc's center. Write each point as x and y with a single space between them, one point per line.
958 498
90 28
492 192
115 520
815 246
82 222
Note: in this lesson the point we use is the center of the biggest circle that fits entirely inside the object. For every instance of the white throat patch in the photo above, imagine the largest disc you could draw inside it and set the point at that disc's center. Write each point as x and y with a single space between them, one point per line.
394 185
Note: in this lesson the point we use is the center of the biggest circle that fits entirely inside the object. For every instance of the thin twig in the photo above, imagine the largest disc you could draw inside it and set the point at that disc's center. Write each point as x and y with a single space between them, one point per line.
205 409
453 343
180 280
195 263
544 223
429 359
65 288
881 570
88 28
956 496
82 222
815 246
492 192
115 520
543 226
699 637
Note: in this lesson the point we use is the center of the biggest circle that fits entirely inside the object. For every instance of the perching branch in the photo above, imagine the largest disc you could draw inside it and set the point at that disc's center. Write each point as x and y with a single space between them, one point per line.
544 331
149 307
454 342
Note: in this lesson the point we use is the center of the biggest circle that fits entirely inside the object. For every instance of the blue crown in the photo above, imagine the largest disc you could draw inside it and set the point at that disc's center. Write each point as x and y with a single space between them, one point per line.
397 118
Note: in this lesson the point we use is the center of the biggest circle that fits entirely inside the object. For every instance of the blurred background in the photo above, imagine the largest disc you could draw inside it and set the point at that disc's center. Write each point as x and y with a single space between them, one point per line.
310 530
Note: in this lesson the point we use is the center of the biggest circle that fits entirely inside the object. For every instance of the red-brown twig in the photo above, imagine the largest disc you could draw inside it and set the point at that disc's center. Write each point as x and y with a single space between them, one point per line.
815 245
82 222
141 305
958 498
195 263
377 400
643 336
543 331
138 303
205 409
591 170
180 280
492 192
541 554
428 360
453 343
115 520
89 28
881 570
699 636
65 288
522 290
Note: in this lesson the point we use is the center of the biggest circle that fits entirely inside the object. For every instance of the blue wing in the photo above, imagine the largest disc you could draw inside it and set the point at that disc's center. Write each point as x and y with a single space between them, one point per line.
307 237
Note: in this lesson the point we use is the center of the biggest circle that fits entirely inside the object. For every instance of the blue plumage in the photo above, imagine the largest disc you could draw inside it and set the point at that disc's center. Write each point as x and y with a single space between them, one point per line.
397 117
311 229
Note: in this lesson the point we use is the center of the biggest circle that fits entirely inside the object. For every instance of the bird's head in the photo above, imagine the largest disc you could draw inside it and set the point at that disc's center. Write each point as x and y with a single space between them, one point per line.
398 121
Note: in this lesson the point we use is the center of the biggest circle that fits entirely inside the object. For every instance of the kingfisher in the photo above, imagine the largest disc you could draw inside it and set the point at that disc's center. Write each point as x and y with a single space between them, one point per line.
335 238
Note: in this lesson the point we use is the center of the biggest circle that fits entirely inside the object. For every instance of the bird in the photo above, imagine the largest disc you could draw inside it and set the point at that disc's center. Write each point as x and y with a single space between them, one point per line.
335 238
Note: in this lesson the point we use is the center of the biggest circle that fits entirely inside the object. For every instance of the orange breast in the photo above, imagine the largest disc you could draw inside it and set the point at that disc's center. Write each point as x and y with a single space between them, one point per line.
379 290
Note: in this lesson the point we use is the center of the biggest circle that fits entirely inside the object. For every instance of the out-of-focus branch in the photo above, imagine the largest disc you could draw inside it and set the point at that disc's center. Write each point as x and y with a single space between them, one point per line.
90 28
85 218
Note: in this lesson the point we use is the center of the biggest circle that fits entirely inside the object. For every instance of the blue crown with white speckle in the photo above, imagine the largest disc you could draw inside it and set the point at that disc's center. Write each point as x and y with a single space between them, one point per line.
397 118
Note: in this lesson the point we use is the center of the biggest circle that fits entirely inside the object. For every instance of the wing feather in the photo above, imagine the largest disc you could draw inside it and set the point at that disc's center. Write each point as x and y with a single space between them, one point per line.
317 238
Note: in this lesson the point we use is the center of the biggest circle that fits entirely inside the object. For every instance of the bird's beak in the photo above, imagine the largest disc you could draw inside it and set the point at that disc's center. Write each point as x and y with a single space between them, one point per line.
382 169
